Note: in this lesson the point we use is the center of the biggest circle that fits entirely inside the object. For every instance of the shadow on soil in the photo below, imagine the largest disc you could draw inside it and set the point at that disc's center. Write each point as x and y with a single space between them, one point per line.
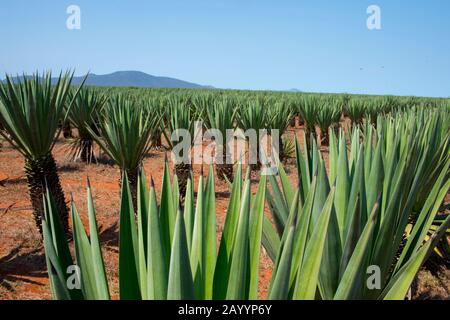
16 265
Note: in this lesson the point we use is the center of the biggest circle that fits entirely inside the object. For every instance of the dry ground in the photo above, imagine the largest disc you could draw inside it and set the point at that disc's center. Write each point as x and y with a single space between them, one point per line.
23 272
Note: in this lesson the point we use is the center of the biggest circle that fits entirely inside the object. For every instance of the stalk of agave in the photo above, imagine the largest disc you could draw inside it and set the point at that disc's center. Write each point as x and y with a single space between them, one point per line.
84 114
125 130
165 253
30 112
221 116
179 120
253 116
333 229
279 118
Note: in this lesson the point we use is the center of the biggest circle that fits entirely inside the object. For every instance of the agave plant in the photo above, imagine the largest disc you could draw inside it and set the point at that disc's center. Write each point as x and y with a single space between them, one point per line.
221 116
30 112
155 107
292 105
434 141
356 110
253 116
375 107
200 103
165 253
329 113
83 114
123 132
334 229
179 119
308 113
279 118
344 100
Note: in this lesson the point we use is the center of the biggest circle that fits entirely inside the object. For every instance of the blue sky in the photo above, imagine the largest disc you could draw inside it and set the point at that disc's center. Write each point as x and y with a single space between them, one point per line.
318 46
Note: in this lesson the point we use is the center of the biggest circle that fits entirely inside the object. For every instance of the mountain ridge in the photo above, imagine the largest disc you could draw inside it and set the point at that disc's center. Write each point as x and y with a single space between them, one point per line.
133 79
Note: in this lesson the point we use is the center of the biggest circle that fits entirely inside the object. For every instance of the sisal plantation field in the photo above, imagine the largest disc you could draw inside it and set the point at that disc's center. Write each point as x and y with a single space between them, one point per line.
96 201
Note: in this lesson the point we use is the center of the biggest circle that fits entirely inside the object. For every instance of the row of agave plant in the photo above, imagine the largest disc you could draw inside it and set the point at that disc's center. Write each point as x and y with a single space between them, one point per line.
374 207
126 123
124 126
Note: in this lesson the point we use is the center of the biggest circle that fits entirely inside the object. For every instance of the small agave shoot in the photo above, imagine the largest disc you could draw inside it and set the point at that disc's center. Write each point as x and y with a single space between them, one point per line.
30 112
84 114
221 116
166 253
125 129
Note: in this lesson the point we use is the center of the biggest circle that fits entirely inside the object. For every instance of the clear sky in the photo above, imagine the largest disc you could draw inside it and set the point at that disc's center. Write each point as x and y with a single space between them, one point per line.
314 45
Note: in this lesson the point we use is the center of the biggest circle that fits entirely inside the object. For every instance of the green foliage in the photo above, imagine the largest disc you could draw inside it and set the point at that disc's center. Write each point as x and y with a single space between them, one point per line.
220 115
373 193
30 111
125 128
83 114
376 205
187 267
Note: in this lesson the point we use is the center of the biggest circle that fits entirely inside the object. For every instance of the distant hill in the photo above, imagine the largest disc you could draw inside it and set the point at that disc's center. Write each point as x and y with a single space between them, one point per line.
136 79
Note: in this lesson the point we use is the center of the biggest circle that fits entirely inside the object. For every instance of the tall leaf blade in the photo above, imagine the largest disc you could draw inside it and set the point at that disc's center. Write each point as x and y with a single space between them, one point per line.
167 210
308 276
223 264
129 288
84 257
181 285
255 234
96 252
157 267
237 285
210 251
